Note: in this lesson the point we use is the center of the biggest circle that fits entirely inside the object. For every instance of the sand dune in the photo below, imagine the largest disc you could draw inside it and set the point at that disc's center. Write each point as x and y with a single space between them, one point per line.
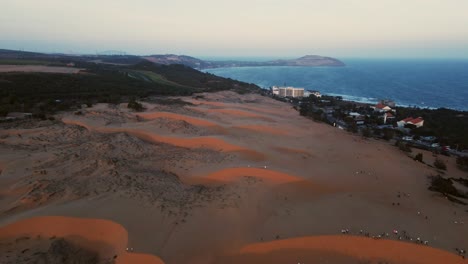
102 236
133 258
272 111
189 142
189 119
287 150
234 113
233 174
264 129
137 172
360 248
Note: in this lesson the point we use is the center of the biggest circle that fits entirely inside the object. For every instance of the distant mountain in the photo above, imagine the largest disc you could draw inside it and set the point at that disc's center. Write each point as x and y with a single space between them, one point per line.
306 61
170 59
178 59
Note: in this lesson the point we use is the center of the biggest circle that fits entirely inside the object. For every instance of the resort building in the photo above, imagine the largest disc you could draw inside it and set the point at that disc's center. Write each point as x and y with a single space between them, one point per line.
288 91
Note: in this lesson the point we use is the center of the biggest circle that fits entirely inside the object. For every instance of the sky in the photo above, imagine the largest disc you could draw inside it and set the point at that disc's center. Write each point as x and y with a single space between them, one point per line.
239 28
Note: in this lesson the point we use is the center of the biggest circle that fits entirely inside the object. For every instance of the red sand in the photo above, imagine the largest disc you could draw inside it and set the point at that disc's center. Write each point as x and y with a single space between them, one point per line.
188 119
196 142
134 258
232 174
358 247
106 237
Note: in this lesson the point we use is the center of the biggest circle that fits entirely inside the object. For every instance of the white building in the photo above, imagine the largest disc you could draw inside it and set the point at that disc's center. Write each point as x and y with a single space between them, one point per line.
288 91
275 90
315 93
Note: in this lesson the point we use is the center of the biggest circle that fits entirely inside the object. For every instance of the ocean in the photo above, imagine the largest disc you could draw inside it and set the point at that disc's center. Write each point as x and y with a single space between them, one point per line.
422 83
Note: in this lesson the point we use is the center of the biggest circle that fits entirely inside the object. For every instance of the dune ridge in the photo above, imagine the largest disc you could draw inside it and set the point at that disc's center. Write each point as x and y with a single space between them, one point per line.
188 119
193 142
104 236
358 247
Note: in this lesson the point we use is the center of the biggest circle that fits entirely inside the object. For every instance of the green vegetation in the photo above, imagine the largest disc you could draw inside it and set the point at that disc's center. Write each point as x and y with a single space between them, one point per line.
444 186
135 106
419 157
29 62
403 146
462 163
366 132
440 164
449 126
43 93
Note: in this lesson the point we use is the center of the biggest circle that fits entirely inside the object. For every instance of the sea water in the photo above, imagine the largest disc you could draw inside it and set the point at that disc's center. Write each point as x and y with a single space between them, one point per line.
431 83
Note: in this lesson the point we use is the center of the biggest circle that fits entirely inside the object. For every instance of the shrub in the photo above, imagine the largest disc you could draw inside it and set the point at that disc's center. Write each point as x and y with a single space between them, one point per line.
404 147
366 132
419 157
462 162
135 106
440 164
445 186
388 134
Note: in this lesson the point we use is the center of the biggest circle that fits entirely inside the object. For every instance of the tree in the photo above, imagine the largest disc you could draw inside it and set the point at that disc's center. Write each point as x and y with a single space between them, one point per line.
404 147
388 134
366 132
462 163
419 157
135 106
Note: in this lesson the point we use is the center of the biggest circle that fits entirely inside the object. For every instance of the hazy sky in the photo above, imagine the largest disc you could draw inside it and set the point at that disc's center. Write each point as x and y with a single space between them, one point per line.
280 28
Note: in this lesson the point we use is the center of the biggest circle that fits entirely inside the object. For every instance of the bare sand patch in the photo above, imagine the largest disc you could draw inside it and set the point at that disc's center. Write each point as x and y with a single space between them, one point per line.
233 174
104 237
38 68
191 120
233 113
264 129
287 150
360 248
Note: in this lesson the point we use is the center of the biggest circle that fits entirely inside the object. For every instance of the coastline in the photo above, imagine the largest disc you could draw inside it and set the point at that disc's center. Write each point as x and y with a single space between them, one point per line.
423 83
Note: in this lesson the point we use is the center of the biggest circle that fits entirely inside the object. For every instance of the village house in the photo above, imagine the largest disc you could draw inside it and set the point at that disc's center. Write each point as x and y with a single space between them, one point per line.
381 108
308 93
388 102
418 122
388 117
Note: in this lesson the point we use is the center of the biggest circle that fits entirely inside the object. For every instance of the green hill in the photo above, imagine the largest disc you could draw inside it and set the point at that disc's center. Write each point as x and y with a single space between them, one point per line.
48 92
